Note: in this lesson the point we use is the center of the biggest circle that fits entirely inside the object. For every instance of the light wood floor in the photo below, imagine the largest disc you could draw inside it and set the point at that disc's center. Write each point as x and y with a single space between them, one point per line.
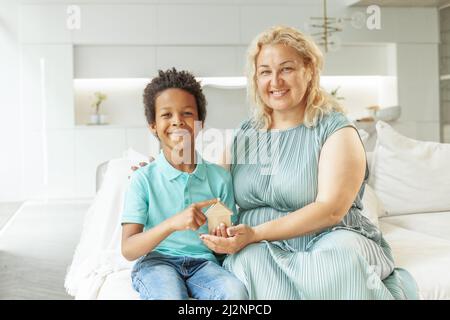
37 247
7 210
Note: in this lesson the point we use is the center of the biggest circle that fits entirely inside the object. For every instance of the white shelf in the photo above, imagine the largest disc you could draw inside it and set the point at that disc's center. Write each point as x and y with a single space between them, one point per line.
124 106
445 77
224 82
120 83
107 126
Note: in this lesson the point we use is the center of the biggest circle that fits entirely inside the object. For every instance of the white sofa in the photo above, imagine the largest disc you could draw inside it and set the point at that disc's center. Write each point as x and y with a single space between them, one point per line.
420 240
420 243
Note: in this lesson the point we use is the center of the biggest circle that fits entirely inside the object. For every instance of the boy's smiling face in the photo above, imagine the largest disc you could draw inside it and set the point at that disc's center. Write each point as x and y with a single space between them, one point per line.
175 116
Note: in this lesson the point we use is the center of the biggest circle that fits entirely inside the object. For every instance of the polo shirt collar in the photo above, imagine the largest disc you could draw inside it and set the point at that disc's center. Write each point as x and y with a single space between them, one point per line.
171 173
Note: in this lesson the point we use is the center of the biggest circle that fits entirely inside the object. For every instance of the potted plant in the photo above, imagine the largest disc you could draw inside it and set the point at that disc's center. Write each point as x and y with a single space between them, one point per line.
97 117
334 94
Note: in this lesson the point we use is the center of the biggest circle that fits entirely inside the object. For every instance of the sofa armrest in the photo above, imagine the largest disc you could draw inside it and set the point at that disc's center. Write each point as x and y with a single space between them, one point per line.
100 174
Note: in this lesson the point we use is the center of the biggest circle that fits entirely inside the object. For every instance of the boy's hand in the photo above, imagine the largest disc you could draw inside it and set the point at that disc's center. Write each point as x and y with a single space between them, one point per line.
192 217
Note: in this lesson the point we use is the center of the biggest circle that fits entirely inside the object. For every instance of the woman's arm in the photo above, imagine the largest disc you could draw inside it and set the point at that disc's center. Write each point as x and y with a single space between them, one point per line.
341 173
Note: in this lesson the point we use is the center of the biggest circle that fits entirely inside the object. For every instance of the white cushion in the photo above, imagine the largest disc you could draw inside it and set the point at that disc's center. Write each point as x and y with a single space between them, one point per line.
410 176
427 258
117 286
369 157
372 206
435 224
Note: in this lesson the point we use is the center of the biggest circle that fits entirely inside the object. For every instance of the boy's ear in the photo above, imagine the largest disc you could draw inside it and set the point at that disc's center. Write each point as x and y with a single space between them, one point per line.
152 127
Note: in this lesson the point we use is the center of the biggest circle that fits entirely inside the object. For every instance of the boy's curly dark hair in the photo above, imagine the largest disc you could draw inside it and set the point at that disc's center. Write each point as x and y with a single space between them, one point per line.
173 79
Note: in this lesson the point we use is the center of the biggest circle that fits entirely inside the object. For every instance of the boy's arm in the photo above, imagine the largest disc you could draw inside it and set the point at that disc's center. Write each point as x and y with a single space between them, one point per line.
136 243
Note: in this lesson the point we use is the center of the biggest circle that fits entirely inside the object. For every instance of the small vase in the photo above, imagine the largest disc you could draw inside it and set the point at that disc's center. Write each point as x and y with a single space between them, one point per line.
103 119
94 119
98 119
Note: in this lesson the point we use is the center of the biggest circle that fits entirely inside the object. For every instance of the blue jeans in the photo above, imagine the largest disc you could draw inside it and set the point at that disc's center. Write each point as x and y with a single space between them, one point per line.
163 277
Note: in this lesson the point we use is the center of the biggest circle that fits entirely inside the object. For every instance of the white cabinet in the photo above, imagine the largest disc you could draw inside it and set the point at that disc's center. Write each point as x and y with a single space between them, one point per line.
117 24
92 147
201 60
97 144
44 24
256 19
49 163
142 141
47 86
197 24
34 177
61 163
115 61
47 112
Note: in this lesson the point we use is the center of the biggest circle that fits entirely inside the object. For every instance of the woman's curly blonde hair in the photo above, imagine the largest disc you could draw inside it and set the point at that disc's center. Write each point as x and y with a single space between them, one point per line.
318 102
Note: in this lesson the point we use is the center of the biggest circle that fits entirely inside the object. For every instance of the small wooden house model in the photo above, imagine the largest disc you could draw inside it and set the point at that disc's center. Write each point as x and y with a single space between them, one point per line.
218 213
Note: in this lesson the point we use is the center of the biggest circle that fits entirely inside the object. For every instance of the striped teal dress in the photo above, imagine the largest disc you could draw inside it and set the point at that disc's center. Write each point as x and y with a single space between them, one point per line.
276 172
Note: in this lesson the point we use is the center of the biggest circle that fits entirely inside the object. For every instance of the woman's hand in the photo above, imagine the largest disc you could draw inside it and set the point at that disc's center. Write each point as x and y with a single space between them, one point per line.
239 237
220 231
143 164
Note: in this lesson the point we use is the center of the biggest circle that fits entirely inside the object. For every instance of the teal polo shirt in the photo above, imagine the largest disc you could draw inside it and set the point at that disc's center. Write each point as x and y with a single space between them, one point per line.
159 191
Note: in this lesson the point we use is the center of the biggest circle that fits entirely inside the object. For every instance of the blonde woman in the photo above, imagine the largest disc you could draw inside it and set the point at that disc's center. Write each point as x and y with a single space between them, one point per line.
301 233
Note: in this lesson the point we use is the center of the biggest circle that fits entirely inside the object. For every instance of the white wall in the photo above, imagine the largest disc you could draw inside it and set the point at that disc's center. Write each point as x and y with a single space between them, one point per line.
135 38
10 133
418 80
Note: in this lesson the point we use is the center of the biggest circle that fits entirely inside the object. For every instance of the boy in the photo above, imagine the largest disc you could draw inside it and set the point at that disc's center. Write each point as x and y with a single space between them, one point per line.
163 217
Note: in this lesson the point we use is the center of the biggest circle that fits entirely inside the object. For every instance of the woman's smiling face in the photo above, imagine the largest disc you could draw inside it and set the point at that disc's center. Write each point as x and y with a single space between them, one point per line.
281 77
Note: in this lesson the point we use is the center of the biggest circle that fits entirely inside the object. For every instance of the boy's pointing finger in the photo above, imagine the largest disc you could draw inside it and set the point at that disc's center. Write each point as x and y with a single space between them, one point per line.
203 204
